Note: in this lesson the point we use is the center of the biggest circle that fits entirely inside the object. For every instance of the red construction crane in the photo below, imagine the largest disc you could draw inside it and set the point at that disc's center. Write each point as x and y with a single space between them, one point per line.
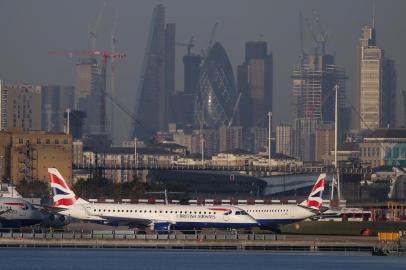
79 53
104 56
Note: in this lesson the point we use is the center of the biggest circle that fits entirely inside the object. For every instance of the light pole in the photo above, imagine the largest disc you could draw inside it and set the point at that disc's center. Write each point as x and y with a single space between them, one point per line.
135 152
67 121
336 144
202 148
269 137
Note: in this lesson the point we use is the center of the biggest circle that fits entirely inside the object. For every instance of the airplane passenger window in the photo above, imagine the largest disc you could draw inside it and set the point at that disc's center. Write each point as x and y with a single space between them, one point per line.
160 211
156 211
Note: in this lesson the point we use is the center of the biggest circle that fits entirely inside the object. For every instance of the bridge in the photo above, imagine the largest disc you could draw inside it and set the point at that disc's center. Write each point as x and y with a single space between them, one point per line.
228 168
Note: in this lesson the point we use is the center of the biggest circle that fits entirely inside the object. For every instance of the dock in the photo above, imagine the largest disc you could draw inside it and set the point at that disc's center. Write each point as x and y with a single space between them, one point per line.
253 242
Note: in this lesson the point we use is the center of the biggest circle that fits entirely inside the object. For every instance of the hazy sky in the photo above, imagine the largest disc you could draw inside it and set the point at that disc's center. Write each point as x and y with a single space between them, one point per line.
30 28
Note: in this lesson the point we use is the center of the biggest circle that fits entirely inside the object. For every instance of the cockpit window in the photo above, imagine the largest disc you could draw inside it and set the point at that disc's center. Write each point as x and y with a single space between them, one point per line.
241 213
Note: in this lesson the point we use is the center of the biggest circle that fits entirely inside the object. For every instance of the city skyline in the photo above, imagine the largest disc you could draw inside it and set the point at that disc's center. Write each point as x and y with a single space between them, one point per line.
257 24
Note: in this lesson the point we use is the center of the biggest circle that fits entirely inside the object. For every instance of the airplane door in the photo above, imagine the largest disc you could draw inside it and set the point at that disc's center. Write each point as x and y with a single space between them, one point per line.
22 211
226 215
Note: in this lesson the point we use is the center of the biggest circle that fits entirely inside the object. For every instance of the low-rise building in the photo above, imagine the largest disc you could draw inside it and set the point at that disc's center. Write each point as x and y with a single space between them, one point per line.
384 147
28 155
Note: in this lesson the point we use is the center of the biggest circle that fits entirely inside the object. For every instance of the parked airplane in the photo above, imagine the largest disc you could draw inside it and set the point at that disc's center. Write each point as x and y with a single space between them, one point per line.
158 217
272 215
16 212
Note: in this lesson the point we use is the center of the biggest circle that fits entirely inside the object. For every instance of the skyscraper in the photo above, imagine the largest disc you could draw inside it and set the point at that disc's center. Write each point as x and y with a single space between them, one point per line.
191 65
389 94
88 94
314 83
376 82
370 79
157 82
255 84
21 107
216 95
55 99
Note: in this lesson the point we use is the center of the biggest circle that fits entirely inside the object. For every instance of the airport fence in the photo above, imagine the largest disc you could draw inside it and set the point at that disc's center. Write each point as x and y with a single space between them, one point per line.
132 235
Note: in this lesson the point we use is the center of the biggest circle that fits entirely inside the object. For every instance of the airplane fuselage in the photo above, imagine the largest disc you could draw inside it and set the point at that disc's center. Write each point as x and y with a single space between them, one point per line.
179 216
17 212
277 214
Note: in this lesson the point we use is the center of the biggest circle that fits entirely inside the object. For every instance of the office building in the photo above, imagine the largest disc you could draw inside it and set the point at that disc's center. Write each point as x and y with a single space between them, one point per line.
285 140
55 100
216 97
230 138
325 139
21 107
255 84
157 81
88 94
376 82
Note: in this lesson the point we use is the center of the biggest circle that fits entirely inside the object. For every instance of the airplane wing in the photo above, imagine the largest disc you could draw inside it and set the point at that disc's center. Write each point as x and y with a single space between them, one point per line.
51 209
133 222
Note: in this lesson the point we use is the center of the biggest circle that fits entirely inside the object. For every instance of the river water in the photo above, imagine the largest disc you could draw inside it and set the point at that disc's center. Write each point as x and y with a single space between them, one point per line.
89 259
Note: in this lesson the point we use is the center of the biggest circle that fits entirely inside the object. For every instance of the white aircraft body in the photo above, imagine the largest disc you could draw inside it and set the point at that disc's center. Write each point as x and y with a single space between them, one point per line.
270 216
16 212
158 217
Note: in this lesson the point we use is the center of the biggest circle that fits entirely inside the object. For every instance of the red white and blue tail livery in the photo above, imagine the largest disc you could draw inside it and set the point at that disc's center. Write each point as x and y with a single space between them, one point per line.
63 196
315 200
271 215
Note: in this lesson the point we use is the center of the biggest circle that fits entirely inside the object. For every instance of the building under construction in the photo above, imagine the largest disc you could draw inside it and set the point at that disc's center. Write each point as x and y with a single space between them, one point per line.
313 89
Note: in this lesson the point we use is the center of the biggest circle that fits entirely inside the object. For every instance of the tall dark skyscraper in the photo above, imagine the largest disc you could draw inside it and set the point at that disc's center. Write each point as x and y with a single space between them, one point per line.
157 80
216 95
191 64
255 83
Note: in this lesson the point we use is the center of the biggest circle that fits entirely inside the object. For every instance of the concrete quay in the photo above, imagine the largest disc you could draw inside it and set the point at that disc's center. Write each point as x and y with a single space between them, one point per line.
297 243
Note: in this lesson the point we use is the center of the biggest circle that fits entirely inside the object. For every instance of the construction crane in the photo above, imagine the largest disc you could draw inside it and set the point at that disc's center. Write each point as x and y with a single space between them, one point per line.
235 109
104 56
211 40
319 35
188 45
212 35
93 28
113 69
303 53
404 106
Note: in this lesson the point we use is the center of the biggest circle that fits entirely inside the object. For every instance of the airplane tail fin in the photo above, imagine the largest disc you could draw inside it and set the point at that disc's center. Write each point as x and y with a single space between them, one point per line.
63 196
315 199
